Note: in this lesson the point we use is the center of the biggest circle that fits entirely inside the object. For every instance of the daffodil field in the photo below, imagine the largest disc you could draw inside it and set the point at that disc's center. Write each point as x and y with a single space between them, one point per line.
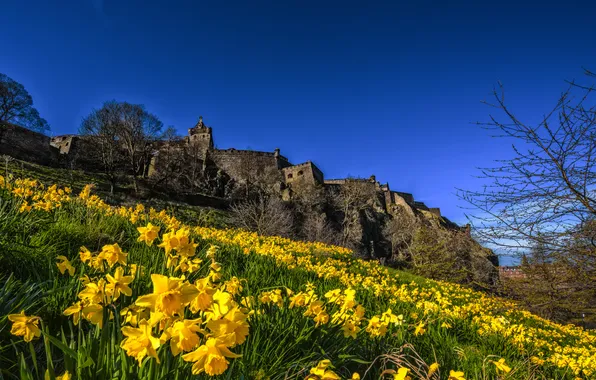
93 291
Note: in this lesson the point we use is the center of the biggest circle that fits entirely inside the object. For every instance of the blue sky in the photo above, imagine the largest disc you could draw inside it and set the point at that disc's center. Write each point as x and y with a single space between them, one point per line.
360 88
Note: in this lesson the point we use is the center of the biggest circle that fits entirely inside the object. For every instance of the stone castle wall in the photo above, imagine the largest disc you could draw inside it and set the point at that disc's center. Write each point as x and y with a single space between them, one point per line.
27 145
240 163
70 150
306 173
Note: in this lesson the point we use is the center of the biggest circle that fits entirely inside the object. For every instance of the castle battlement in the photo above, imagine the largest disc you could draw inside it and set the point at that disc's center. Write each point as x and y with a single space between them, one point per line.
254 153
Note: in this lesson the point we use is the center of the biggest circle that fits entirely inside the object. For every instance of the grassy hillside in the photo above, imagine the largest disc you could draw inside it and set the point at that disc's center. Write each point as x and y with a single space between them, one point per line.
78 179
150 297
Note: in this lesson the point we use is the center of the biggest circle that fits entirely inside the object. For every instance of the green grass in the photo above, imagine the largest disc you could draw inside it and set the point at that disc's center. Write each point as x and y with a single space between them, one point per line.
78 179
282 341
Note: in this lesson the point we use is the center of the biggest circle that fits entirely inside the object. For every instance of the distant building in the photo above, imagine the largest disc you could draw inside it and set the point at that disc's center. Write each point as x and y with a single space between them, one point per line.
511 272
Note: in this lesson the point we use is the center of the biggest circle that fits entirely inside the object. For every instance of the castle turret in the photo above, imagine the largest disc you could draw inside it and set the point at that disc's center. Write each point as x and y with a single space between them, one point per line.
201 135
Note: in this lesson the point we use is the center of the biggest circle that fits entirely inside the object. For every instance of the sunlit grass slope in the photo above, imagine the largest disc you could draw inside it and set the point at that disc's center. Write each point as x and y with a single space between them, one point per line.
96 292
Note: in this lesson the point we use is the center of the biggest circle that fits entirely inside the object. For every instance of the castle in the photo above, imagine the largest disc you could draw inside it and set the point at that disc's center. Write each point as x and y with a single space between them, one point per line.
294 175
27 145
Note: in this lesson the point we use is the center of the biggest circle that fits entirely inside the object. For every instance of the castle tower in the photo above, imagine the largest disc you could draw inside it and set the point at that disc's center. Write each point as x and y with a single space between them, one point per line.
201 135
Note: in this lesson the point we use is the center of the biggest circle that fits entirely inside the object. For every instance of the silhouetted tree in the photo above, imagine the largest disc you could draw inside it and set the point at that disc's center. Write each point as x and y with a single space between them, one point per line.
137 129
547 189
16 107
123 130
100 126
266 215
541 201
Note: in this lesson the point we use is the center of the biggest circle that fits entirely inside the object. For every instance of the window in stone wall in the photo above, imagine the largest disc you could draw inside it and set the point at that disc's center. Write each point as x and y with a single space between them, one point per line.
290 175
300 172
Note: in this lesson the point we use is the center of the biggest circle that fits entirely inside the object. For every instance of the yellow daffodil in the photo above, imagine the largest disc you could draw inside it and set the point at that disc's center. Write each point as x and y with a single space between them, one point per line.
25 326
180 241
316 310
204 298
376 327
501 366
183 335
456 375
212 251
65 376
85 254
420 330
211 357
170 295
402 374
140 342
94 314
74 310
222 303
432 369
93 292
233 286
65 265
389 317
119 283
25 207
234 323
350 329
273 296
112 254
321 372
185 264
133 314
334 295
148 234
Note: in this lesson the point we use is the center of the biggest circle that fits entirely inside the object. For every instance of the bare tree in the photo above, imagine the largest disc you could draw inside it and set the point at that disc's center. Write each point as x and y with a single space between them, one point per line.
316 227
168 161
195 165
7 160
137 130
121 127
359 210
100 127
256 179
16 107
545 196
400 231
265 215
547 189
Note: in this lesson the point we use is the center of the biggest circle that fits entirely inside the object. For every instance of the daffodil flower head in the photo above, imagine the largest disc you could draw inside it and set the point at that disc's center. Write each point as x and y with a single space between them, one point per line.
456 375
148 234
119 283
170 295
501 366
85 254
140 342
184 335
211 357
74 310
25 326
432 369
402 374
112 254
204 298
64 265
322 371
